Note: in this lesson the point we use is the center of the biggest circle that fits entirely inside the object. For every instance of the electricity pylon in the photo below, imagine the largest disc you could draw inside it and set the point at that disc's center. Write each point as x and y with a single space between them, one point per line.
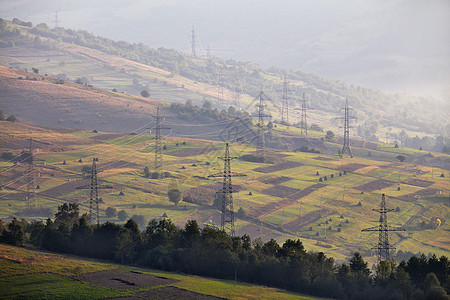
93 199
31 178
346 118
383 248
226 193
261 115
159 141
303 121
193 52
285 101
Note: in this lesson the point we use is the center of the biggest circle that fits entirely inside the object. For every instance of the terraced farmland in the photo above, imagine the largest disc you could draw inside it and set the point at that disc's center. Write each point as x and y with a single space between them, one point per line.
285 199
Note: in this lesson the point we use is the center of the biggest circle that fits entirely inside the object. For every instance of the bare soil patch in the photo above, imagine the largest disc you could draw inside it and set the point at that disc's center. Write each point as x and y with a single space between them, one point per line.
268 208
418 182
351 167
124 280
306 191
276 180
307 219
205 194
13 196
422 193
375 185
65 188
280 191
278 167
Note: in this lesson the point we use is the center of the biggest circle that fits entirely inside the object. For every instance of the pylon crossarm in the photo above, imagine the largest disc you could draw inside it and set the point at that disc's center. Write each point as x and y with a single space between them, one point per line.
88 187
383 210
231 174
372 229
395 229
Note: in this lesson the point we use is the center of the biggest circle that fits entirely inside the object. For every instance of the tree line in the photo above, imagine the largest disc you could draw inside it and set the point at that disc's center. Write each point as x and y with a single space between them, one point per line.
209 251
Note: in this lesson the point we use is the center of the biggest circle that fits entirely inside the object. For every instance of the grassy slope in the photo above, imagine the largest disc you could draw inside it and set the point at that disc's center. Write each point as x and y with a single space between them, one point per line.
147 197
32 274
112 72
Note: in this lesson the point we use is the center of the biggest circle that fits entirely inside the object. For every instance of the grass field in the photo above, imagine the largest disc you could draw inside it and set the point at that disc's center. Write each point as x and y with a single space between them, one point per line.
29 274
123 157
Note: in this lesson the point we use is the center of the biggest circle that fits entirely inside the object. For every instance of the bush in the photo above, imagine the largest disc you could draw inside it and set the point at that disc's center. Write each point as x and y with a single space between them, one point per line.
146 172
11 118
122 215
145 94
111 212
175 196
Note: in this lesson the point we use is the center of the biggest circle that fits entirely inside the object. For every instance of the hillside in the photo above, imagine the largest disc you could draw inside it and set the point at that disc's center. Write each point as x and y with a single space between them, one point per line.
282 199
174 77
32 274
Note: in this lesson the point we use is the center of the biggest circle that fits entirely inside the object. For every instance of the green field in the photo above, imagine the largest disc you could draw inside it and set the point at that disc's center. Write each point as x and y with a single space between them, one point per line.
296 218
29 274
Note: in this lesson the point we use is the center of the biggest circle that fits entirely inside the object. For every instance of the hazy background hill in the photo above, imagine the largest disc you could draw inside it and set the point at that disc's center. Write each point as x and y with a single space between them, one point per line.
390 45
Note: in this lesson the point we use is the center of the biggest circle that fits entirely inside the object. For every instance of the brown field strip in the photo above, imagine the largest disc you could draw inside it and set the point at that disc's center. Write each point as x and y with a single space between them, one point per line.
375 185
268 208
307 219
278 167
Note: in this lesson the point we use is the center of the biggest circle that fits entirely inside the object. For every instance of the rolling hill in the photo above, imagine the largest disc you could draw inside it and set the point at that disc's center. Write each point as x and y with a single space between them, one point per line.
171 76
282 199
26 274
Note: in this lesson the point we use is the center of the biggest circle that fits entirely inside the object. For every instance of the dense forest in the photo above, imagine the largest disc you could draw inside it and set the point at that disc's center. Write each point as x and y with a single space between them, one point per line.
212 252
373 108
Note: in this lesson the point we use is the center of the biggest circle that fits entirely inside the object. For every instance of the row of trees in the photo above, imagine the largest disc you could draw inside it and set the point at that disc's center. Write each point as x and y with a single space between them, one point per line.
212 252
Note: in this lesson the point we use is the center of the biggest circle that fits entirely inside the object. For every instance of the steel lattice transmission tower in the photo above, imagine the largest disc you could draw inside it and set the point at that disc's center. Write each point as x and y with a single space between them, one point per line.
383 248
193 52
303 121
285 101
94 212
226 193
159 142
31 178
347 117
261 115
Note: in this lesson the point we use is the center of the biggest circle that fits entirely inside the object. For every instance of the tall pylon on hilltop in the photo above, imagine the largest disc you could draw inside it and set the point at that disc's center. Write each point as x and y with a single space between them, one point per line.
56 21
226 193
347 117
260 143
285 101
383 247
303 120
159 143
193 46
